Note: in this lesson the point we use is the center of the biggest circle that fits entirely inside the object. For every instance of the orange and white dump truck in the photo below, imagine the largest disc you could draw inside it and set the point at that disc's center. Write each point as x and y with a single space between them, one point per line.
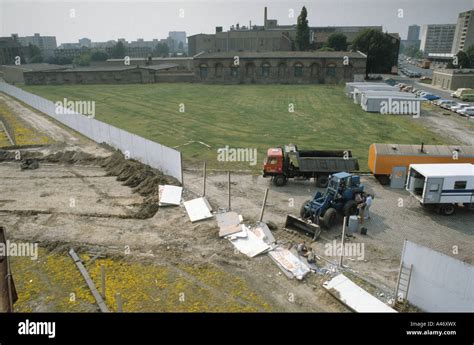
389 162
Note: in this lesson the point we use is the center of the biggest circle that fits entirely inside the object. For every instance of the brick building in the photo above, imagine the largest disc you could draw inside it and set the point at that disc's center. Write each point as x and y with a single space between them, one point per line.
279 67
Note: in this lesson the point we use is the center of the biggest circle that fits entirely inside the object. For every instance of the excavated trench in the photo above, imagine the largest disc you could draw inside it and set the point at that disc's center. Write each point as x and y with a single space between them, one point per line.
143 179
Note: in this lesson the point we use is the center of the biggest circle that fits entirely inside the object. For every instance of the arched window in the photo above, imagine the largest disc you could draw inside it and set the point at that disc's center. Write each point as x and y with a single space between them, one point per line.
282 70
265 70
298 69
203 71
331 70
249 69
218 70
315 70
234 71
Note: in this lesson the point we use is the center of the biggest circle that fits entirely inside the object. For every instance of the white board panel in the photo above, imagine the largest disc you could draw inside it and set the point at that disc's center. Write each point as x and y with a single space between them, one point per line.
439 283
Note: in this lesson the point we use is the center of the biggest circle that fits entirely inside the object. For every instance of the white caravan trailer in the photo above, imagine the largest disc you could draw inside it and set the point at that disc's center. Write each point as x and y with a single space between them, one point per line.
352 85
443 186
391 103
360 89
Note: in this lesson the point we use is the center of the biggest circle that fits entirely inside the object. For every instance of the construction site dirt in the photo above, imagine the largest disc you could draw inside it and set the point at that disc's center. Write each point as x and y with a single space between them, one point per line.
84 195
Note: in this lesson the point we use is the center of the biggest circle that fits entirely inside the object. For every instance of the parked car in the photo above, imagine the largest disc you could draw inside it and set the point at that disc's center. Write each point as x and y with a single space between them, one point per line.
414 90
407 88
419 92
446 103
461 92
431 97
468 111
459 106
468 97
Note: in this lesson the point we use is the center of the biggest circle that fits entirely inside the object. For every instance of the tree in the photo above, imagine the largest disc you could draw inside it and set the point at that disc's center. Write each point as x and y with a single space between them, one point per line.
337 41
325 49
162 49
462 60
118 51
34 54
99 55
83 60
302 31
379 48
470 54
413 51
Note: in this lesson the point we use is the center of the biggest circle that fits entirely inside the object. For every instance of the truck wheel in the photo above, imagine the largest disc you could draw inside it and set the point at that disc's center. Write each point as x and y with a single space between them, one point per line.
322 181
279 180
303 210
329 218
383 179
447 209
350 208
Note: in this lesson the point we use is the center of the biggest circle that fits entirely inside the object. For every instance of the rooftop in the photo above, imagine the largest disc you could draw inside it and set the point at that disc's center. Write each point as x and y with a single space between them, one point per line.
441 170
281 54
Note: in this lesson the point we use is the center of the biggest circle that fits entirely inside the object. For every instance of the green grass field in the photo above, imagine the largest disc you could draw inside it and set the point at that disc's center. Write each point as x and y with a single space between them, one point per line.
254 116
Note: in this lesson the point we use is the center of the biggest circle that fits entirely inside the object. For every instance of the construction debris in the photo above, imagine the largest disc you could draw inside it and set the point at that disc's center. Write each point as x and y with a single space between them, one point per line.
248 243
354 297
90 283
170 195
198 209
289 263
229 223
30 164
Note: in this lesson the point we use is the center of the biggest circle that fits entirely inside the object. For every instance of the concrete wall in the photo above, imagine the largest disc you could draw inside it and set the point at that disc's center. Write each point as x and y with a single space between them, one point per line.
280 70
439 283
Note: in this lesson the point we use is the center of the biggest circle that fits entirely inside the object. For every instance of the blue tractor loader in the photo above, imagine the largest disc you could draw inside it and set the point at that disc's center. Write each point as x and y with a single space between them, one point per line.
322 209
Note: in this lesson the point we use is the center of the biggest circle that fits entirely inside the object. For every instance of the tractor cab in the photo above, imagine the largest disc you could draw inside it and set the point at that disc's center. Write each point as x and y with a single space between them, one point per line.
273 163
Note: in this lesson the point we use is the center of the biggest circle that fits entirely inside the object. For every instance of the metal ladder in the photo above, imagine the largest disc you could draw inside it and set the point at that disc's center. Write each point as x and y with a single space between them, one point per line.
403 284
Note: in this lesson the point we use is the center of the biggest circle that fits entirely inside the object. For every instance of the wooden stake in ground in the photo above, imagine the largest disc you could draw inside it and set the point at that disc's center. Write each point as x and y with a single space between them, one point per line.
204 180
263 205
102 276
228 182
118 298
8 295
342 241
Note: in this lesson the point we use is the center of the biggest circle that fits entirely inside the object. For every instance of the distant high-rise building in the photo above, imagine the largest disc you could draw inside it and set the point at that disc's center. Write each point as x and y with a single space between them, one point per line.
47 44
464 34
437 38
413 37
413 33
85 42
178 36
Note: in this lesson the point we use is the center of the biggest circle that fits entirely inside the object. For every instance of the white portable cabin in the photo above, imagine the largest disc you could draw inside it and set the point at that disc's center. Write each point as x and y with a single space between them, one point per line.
352 85
442 183
359 90
400 103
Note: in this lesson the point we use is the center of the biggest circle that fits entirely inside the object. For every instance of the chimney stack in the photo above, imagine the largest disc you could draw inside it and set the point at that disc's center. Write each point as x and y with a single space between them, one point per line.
265 18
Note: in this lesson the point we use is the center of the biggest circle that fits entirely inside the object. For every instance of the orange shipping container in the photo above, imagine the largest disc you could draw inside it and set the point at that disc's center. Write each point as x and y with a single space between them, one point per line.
383 158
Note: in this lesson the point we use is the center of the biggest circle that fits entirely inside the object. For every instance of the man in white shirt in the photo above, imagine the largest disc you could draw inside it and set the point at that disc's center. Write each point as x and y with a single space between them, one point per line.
368 203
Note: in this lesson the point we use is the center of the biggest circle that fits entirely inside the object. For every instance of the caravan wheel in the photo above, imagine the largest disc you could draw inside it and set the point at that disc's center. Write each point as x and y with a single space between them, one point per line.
447 209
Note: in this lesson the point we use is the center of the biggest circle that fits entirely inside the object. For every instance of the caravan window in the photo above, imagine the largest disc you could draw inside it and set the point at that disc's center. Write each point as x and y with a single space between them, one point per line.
460 184
434 187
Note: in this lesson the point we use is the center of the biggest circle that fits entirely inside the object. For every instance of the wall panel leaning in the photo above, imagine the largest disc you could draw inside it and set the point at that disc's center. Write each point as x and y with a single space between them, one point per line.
158 156
439 283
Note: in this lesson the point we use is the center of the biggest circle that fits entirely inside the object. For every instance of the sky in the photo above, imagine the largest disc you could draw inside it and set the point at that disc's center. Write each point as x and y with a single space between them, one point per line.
103 20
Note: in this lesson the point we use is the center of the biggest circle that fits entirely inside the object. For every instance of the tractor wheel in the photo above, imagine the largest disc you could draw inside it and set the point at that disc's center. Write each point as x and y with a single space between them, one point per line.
303 210
329 218
322 181
350 208
279 180
447 209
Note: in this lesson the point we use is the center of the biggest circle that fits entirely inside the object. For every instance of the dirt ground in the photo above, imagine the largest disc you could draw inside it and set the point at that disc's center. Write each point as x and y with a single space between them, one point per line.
69 204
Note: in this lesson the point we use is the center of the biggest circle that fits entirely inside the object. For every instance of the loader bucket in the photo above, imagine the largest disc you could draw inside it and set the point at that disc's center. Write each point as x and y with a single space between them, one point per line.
301 225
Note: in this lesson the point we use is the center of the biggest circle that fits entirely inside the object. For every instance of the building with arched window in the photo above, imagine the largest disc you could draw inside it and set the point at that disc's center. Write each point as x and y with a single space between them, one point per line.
293 67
